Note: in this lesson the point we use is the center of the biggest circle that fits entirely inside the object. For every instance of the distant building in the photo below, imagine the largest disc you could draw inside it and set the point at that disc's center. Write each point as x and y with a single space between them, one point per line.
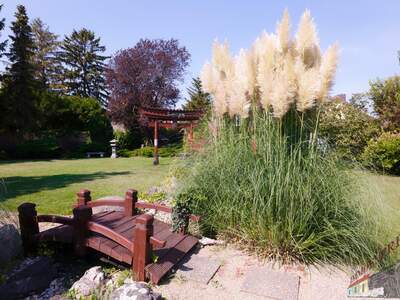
340 96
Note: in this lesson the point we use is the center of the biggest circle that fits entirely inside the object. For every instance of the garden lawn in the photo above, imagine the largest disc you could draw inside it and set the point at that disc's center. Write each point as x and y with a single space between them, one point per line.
53 184
386 189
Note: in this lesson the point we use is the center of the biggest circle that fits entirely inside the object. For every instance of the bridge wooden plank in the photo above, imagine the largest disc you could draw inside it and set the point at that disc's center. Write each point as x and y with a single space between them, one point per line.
115 225
108 219
159 226
164 264
100 215
94 241
164 235
177 245
62 233
108 246
124 227
124 254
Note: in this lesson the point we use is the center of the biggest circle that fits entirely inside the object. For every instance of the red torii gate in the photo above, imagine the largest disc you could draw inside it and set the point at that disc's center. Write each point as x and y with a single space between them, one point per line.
170 118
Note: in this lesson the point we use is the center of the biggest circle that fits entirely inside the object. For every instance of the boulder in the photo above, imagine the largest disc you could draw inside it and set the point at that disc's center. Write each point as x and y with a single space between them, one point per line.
91 280
31 276
132 290
9 235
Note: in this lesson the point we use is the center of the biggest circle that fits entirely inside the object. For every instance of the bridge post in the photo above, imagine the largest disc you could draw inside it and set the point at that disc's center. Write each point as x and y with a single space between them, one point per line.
28 225
142 248
129 203
82 215
83 197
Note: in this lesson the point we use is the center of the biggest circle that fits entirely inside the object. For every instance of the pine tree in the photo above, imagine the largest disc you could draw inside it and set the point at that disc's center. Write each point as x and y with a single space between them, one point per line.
3 44
44 58
84 65
198 98
3 101
19 82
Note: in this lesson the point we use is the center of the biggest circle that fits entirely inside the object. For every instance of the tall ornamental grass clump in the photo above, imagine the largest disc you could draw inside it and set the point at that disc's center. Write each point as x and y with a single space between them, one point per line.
265 179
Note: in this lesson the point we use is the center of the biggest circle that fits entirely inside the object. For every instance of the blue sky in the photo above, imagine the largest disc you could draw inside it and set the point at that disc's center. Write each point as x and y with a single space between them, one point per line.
367 31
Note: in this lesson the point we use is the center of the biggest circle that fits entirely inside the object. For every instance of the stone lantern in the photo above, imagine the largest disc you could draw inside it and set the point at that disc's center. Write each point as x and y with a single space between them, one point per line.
113 144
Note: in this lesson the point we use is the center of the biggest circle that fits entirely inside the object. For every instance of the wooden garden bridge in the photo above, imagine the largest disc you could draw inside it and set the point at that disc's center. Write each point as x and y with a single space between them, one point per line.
125 235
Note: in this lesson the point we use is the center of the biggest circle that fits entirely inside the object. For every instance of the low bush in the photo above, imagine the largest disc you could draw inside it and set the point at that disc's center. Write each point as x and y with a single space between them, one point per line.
383 153
166 151
125 139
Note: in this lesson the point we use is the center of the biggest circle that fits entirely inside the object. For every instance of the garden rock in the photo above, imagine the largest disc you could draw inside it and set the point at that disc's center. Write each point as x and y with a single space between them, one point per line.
91 280
132 290
9 235
31 276
205 241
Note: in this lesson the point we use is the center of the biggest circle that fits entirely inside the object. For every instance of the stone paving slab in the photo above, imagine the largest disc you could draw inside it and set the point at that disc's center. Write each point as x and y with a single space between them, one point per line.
198 268
263 281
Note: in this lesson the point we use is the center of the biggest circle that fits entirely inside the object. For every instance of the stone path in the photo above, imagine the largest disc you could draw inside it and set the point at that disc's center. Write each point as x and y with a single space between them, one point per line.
198 269
278 285
241 276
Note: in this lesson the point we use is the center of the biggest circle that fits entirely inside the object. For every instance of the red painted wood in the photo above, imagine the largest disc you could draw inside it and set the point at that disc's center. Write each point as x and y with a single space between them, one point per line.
128 239
155 160
111 220
117 224
28 226
159 226
156 242
62 233
130 202
82 215
101 215
83 197
108 202
142 247
157 270
109 233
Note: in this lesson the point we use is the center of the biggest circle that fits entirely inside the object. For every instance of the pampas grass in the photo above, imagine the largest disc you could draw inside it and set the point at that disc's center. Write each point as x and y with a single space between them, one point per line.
262 179
276 72
284 200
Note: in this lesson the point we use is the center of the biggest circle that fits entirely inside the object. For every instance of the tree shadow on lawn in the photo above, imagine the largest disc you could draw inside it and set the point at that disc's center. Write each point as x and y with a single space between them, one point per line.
11 187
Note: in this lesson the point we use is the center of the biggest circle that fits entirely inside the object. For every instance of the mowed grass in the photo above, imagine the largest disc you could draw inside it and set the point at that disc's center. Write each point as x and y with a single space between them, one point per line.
386 191
53 184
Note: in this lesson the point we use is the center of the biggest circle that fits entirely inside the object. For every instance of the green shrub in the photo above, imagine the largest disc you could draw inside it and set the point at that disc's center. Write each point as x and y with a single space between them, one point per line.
125 140
145 151
167 151
384 153
266 184
346 128
63 115
40 148
125 153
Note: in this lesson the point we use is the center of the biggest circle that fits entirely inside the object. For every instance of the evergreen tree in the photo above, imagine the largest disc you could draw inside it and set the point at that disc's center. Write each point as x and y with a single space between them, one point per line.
44 58
3 44
19 82
84 65
198 98
3 104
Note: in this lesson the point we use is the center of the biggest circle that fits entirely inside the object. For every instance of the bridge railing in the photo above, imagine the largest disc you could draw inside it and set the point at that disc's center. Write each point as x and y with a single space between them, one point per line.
141 246
130 203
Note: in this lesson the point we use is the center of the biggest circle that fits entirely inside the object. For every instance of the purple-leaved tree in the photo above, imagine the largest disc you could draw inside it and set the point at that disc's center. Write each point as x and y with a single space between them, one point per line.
145 75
